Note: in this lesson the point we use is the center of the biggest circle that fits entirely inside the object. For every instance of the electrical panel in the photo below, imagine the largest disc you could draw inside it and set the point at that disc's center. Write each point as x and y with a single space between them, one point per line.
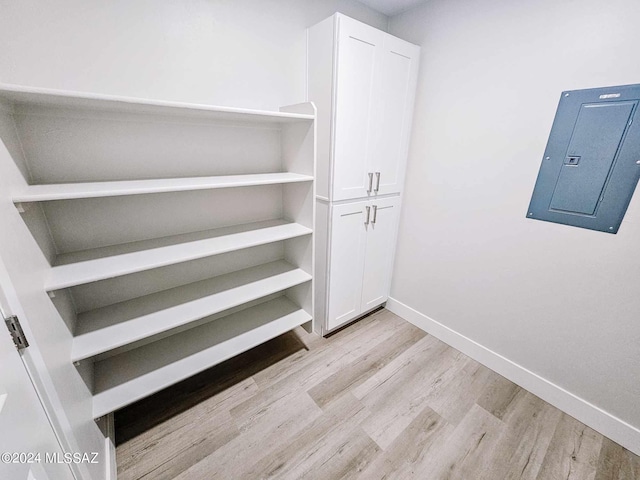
591 165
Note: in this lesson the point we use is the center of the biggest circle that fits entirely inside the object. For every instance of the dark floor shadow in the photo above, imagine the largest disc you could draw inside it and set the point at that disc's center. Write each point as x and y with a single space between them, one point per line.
143 415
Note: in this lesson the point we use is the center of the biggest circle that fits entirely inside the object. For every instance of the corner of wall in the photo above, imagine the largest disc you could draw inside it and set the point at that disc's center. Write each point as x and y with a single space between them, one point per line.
607 424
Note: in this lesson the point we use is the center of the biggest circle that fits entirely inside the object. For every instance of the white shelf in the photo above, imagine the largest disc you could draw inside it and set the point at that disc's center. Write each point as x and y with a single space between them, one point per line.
108 328
22 97
109 262
70 191
130 376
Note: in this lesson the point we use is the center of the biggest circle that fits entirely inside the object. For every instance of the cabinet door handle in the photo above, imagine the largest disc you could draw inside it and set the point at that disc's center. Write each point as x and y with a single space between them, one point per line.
377 182
375 214
366 222
370 182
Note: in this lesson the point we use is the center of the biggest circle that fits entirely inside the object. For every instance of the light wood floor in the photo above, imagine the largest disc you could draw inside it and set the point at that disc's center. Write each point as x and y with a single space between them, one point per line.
379 399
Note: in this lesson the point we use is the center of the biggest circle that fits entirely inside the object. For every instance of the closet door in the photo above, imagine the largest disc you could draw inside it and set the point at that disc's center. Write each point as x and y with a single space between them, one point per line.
25 429
395 92
346 265
381 240
359 53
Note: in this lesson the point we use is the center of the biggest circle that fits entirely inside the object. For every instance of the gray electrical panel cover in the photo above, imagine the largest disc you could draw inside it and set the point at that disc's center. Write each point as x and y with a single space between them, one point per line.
591 165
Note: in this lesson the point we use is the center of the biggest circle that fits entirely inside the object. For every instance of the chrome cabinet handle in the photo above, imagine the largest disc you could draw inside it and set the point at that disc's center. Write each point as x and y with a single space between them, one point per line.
370 182
375 214
366 222
377 182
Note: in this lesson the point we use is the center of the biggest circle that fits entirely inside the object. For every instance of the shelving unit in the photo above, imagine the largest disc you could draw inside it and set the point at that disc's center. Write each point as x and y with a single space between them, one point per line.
166 253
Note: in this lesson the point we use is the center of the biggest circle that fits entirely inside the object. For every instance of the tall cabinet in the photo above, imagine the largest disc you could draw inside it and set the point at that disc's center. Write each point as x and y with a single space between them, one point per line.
363 83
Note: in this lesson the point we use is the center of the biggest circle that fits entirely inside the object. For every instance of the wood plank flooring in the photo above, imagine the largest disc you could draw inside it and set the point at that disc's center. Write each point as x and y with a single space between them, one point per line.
377 400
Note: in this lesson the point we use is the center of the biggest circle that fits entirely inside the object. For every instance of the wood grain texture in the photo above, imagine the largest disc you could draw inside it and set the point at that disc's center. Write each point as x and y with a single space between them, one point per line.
377 400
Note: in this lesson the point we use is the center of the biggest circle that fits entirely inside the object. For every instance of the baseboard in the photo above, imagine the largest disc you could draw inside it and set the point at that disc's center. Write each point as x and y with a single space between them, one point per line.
608 425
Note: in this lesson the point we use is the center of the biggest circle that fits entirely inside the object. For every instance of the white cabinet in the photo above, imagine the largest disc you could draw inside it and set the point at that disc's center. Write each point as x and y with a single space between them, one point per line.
363 82
355 105
362 242
381 240
396 79
348 244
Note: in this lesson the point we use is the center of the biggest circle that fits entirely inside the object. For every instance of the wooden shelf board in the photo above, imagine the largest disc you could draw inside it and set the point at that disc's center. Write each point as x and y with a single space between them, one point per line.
90 266
114 326
71 191
24 96
130 376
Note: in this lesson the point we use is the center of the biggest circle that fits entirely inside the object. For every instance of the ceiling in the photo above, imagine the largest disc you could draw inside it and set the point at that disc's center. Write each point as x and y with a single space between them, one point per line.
392 7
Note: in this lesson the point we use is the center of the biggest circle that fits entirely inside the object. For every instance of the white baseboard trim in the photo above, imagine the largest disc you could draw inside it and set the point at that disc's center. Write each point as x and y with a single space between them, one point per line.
608 425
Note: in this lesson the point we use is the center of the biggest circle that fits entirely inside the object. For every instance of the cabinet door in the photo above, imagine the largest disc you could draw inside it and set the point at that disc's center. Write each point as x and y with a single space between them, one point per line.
359 53
395 87
346 264
381 239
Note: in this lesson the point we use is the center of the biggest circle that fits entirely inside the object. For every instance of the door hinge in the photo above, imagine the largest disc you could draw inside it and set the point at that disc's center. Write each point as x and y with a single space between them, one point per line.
19 339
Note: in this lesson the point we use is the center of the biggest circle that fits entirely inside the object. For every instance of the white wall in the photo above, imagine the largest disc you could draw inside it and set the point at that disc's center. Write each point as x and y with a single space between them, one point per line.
560 301
247 53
